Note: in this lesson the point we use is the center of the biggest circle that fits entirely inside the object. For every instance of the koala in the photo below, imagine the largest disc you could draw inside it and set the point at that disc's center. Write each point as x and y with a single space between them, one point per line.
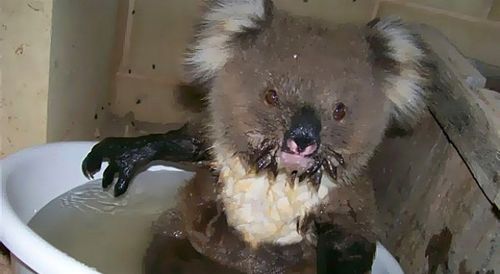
293 111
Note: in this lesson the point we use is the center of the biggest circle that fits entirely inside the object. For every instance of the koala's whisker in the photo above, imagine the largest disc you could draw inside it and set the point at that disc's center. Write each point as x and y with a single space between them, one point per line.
330 168
338 157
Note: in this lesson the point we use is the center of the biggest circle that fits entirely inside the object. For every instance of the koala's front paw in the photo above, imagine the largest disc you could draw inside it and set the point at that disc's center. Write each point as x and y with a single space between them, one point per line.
125 157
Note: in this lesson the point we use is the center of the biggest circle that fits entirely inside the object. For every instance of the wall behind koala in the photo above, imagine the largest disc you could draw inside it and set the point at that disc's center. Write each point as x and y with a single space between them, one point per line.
80 67
340 11
55 70
83 35
152 36
25 42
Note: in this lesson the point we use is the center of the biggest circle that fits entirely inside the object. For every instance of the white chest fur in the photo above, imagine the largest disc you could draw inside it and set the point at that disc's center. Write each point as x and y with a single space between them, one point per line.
265 210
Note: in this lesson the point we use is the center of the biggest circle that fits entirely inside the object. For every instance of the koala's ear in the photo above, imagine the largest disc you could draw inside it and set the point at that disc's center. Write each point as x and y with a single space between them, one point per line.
404 60
222 23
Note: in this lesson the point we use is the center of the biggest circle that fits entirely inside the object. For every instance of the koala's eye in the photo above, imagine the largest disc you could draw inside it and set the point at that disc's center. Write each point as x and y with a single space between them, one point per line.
339 111
271 97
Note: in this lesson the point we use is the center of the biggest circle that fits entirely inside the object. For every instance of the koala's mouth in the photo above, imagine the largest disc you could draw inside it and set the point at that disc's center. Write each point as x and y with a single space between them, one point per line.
295 161
295 157
304 160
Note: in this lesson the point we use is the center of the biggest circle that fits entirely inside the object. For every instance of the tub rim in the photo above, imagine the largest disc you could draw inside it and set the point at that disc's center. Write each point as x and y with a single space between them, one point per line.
19 238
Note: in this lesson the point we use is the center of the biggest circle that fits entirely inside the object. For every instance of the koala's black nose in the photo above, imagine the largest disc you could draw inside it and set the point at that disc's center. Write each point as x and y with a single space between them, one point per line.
303 136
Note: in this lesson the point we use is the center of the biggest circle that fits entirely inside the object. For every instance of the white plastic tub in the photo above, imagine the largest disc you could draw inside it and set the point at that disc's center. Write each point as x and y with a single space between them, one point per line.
33 177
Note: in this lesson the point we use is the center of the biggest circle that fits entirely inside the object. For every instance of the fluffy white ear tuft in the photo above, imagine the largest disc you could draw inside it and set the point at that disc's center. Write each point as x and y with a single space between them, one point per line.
223 20
405 56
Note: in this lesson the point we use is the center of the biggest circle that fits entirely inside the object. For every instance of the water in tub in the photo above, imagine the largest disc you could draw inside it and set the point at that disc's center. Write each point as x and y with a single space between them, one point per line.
110 234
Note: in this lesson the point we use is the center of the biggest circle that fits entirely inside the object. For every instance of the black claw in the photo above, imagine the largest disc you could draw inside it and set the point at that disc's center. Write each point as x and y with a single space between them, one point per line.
91 165
330 168
108 176
84 169
121 186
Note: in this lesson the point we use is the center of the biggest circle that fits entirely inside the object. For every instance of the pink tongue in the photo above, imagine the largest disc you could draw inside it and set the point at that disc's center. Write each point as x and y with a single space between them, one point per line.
294 161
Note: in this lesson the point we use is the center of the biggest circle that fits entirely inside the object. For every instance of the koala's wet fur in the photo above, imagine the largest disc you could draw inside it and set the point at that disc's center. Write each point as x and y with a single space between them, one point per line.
294 111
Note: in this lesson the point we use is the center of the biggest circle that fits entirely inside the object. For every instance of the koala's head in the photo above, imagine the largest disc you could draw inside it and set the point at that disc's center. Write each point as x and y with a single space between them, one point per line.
309 90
